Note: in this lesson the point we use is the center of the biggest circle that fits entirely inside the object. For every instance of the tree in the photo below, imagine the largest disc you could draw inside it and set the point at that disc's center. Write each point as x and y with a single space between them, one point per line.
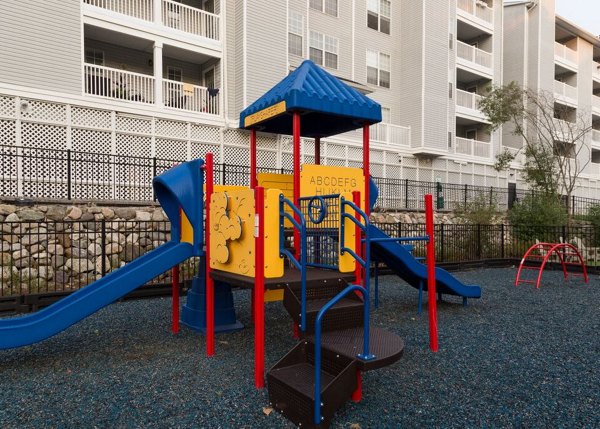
554 137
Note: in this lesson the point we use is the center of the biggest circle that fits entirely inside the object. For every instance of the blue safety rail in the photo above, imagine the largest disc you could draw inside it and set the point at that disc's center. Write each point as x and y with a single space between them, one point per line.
365 355
365 263
300 225
322 214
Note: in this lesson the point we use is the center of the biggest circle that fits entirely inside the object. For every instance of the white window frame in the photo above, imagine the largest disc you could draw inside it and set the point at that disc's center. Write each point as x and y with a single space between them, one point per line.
378 13
323 8
292 30
327 45
174 69
94 52
379 68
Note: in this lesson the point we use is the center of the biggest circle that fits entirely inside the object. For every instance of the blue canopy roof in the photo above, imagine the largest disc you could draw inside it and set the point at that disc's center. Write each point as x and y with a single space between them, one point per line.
328 106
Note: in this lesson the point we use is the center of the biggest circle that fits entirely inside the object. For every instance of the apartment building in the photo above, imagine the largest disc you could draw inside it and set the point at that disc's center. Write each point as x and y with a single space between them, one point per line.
167 79
547 53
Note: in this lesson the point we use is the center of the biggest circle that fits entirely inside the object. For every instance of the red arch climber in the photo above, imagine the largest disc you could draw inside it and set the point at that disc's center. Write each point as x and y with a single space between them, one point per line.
565 252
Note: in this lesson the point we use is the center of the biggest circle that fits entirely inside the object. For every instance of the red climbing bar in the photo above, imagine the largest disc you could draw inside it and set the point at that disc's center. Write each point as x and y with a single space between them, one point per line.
366 166
210 285
175 298
296 156
259 289
358 241
357 394
431 298
253 179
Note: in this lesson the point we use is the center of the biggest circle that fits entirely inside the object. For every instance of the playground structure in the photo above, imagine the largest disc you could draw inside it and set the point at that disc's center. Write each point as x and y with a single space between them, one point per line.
317 219
539 254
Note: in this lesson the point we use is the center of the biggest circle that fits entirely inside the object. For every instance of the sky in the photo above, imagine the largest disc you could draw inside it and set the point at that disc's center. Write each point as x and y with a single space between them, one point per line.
584 13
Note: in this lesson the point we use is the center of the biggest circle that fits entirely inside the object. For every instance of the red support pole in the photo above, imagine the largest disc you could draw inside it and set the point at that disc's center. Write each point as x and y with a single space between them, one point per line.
431 293
366 166
318 150
296 156
357 240
357 394
253 180
210 285
295 331
259 290
175 298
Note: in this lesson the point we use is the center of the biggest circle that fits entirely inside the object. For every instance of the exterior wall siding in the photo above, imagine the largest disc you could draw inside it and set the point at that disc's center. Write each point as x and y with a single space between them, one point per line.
26 57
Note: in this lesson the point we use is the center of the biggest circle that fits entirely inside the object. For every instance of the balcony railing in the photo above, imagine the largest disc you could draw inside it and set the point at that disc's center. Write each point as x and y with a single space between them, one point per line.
474 55
470 100
391 134
473 147
477 8
596 135
172 14
185 96
141 9
562 51
118 84
189 19
565 90
596 70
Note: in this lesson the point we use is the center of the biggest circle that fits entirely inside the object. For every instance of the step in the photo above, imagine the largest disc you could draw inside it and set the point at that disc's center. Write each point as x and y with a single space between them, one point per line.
291 384
387 347
347 313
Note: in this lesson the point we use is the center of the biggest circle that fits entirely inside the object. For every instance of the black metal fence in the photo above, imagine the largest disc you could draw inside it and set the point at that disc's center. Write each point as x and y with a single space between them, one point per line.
45 257
73 175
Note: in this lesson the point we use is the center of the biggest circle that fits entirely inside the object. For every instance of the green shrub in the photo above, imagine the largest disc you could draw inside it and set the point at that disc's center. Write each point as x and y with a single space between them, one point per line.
534 214
482 210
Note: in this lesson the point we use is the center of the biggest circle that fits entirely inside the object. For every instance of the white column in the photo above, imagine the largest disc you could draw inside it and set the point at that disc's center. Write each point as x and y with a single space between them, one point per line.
156 11
158 74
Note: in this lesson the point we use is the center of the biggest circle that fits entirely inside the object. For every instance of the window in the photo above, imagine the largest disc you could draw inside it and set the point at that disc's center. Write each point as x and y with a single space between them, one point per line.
450 90
471 134
378 69
295 33
330 7
324 50
449 139
174 73
386 115
378 15
94 56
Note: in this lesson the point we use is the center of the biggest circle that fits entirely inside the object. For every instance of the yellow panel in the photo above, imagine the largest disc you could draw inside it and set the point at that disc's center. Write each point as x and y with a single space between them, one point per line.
326 180
282 182
232 232
347 261
187 230
228 188
264 114
273 263
272 295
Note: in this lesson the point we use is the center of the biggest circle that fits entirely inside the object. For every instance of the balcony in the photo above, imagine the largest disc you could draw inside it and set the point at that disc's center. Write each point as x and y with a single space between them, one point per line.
596 71
115 84
165 14
596 104
476 11
565 92
467 105
394 135
596 138
474 58
193 98
118 84
472 147
565 56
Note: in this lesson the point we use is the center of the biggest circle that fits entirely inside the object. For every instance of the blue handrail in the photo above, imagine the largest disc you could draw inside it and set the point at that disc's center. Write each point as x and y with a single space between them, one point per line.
363 356
301 265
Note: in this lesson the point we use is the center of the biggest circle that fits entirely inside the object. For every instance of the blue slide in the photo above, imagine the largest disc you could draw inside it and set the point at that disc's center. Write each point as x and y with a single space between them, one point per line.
22 331
179 190
403 263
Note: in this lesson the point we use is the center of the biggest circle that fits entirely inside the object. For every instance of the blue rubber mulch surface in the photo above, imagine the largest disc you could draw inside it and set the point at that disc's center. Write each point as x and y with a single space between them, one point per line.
517 357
